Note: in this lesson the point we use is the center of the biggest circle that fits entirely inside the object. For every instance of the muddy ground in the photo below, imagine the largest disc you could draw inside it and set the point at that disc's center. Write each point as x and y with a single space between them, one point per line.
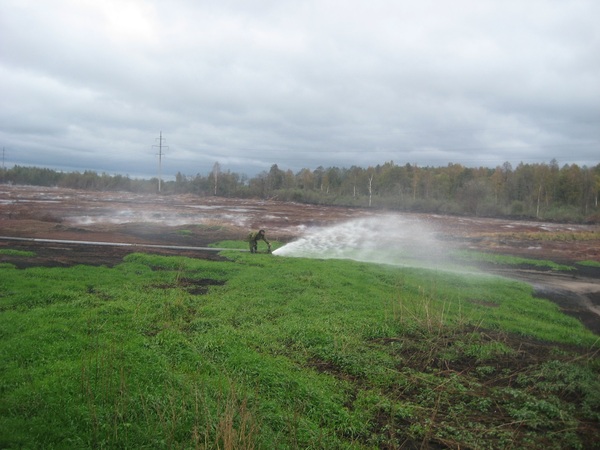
190 221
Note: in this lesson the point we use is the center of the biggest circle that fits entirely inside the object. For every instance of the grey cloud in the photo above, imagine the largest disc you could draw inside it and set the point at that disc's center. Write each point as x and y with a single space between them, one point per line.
299 84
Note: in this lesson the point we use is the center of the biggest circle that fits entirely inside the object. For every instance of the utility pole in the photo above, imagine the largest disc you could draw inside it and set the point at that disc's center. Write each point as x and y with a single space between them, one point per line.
3 159
160 155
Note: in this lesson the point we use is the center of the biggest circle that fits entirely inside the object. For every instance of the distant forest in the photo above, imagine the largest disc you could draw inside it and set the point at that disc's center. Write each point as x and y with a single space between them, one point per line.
538 191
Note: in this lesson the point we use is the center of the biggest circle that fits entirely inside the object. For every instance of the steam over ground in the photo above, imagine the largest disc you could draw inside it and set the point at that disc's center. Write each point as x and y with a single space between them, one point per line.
392 239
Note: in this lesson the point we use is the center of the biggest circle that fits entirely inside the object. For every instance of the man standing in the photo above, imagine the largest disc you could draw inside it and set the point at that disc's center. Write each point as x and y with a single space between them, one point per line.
256 236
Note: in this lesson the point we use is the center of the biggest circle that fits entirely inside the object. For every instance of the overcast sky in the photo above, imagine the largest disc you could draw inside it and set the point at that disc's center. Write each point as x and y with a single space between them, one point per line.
90 84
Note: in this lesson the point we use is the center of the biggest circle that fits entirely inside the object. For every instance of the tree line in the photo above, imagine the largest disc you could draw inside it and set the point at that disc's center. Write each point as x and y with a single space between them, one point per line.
542 190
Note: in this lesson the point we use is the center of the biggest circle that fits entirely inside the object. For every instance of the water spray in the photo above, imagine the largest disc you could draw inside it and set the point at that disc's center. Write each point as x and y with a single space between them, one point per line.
390 239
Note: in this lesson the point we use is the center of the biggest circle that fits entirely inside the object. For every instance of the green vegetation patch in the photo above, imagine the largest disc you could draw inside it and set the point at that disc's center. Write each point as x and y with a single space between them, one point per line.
493 258
11 252
580 235
589 263
278 352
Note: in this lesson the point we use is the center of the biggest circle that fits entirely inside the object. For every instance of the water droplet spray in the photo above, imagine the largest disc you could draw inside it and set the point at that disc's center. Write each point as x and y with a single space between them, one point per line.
389 239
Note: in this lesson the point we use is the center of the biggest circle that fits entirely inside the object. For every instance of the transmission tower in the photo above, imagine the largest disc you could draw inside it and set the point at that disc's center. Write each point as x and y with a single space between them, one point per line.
160 146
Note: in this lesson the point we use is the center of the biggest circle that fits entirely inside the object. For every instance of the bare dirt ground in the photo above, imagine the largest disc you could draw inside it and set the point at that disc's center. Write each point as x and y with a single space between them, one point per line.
191 221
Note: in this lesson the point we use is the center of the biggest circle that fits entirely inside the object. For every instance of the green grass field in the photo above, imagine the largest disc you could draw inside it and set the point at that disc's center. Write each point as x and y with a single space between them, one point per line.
267 352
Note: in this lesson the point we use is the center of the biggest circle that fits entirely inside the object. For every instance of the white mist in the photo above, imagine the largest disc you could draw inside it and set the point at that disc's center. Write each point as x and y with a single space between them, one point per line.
392 239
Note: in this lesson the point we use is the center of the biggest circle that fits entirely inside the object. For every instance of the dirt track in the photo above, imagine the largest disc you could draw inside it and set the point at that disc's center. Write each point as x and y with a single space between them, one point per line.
187 220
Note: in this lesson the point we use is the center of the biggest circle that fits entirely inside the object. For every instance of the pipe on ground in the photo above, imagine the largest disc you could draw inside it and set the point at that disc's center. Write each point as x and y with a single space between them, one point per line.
119 244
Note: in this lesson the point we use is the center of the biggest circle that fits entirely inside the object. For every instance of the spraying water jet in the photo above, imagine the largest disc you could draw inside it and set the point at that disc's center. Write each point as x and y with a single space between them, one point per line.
389 239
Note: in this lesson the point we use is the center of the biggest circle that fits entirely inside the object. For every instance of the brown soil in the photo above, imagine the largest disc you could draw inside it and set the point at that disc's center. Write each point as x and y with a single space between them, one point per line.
191 221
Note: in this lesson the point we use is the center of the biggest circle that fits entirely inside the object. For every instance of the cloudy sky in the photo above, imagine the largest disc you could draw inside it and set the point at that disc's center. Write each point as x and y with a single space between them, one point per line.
90 84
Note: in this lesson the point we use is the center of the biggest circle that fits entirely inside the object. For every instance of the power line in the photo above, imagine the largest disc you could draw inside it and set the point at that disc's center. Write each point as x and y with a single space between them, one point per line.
160 146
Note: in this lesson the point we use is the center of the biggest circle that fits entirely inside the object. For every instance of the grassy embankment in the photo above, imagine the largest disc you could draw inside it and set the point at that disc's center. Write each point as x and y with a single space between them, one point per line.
269 352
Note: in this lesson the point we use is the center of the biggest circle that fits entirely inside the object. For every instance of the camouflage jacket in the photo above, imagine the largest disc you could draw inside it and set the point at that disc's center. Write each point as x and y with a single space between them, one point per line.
256 236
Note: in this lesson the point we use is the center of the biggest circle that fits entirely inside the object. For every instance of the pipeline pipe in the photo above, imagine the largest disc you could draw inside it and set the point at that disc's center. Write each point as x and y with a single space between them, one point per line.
119 244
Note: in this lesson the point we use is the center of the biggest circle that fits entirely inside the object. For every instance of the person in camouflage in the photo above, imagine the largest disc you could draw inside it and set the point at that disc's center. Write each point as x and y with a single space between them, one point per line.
256 236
